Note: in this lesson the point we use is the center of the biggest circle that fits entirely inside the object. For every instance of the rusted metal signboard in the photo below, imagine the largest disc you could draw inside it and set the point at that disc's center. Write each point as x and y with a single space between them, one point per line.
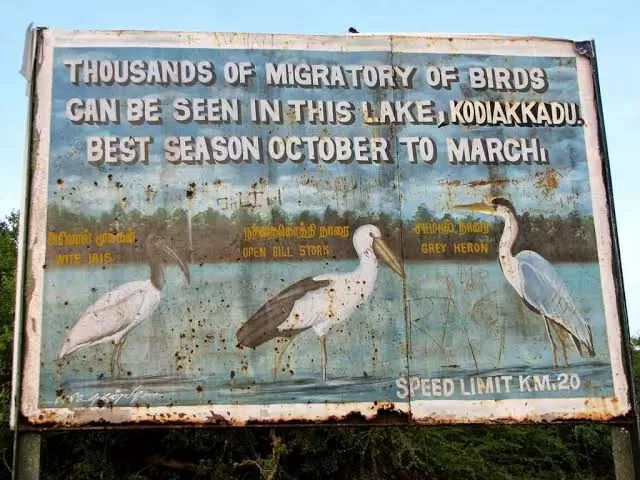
236 228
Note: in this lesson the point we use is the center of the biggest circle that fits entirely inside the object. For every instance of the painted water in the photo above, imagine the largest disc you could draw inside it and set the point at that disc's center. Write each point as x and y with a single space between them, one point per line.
447 321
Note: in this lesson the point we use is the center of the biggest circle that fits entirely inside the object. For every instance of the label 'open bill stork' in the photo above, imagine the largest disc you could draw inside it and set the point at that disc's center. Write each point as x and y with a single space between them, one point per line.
322 301
537 283
113 316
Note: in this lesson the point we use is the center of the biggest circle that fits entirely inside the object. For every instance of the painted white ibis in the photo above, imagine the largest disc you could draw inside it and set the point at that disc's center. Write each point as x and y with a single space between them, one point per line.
537 283
113 316
320 302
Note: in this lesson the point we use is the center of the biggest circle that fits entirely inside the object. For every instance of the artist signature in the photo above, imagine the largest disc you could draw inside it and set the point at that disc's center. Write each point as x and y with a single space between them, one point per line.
102 399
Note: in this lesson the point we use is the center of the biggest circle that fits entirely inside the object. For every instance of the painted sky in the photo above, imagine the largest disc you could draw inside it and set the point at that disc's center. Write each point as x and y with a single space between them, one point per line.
612 24
309 186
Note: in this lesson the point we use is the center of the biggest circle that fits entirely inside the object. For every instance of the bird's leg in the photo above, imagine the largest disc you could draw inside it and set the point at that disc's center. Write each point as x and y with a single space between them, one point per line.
120 357
553 343
562 335
323 347
115 359
278 358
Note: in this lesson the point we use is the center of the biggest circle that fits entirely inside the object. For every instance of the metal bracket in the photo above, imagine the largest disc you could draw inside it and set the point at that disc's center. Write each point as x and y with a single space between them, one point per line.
584 48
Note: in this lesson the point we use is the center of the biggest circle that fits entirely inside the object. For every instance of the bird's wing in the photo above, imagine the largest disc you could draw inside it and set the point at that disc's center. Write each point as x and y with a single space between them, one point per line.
263 325
112 314
545 291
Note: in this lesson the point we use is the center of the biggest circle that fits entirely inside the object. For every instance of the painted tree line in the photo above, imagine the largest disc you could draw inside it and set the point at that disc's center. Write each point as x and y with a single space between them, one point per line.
220 238
492 452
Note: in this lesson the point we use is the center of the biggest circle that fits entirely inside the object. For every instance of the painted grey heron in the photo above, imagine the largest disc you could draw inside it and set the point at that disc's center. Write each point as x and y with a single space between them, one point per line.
320 302
537 283
113 316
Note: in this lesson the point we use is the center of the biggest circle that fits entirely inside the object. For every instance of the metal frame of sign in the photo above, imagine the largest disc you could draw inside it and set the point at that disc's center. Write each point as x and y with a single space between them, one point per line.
27 410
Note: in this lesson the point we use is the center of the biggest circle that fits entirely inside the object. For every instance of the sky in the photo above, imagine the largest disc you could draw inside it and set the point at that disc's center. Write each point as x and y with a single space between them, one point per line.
611 24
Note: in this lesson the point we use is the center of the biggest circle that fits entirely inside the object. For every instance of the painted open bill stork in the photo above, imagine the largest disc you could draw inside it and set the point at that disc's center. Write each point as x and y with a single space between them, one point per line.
322 301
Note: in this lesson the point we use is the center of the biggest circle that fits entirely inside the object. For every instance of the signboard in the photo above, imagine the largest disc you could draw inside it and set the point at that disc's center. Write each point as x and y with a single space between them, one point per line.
238 228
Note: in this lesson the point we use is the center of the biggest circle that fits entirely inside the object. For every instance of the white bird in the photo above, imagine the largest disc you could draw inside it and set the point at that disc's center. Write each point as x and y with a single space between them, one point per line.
113 316
320 302
537 283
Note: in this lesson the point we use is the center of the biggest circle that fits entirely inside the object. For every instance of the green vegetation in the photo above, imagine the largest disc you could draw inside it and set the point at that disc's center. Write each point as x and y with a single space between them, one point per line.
474 452
8 258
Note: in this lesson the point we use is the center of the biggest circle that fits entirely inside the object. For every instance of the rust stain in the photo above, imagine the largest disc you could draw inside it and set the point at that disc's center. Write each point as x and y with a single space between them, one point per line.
450 183
216 419
46 417
386 413
547 182
568 417
491 181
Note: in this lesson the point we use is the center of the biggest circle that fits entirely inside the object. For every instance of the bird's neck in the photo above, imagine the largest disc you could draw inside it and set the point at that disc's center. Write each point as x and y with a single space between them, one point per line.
368 264
157 274
507 260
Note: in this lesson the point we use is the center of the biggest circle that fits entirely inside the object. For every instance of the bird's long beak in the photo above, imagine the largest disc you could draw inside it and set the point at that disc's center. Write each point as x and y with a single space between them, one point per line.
384 252
477 207
183 266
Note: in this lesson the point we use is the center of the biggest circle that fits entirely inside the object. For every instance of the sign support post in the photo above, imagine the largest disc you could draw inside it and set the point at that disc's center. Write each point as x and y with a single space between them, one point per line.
625 439
26 443
621 443
27 463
